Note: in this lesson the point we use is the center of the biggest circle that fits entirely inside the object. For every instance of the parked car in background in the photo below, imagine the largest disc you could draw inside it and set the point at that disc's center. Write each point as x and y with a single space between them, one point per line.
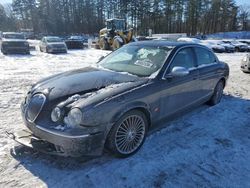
239 46
214 46
12 42
75 42
211 45
228 47
247 42
52 45
245 63
114 104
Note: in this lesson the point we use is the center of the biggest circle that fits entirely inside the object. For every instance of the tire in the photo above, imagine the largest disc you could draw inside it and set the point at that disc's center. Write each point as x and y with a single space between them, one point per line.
103 44
116 44
40 49
128 134
217 95
3 52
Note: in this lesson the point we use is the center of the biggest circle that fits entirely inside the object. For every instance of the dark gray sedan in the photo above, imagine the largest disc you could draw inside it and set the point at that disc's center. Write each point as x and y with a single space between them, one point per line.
113 105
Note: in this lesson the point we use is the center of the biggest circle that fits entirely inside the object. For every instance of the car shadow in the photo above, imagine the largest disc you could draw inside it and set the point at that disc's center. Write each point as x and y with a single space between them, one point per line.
40 164
19 55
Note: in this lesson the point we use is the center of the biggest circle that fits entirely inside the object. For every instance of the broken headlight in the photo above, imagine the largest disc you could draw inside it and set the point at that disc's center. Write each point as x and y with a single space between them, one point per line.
56 114
73 118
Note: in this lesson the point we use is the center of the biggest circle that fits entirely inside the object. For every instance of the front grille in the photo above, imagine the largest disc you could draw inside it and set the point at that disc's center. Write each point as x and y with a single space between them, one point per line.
58 46
35 106
16 44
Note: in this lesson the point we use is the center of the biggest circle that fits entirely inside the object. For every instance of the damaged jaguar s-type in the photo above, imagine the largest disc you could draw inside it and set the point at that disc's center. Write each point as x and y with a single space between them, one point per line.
114 104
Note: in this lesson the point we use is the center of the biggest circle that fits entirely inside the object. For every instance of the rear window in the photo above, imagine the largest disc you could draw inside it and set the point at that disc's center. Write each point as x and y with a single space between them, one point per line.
53 39
204 57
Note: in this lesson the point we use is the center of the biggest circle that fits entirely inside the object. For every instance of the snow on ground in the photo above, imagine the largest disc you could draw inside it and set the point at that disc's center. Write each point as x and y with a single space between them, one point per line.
207 147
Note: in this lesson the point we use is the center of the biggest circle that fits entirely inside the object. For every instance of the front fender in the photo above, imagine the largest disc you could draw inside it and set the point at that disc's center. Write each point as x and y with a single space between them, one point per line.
128 107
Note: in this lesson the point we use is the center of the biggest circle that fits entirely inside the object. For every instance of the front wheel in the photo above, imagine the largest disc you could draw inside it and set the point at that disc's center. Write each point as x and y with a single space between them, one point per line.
4 52
128 134
217 95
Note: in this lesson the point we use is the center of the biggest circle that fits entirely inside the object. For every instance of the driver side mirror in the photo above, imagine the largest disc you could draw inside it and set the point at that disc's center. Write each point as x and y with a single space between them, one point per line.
177 72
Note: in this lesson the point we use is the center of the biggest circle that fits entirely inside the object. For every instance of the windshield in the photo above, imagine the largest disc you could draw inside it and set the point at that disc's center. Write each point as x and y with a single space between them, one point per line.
54 39
76 37
13 36
136 60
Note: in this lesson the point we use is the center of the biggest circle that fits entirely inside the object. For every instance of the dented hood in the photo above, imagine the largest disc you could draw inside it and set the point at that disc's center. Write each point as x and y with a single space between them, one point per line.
81 81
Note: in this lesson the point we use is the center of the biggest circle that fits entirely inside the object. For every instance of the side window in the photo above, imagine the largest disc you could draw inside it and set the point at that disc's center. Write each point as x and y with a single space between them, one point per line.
184 58
204 57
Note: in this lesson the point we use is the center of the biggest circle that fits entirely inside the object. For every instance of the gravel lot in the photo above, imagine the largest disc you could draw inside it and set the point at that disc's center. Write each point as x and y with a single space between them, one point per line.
208 147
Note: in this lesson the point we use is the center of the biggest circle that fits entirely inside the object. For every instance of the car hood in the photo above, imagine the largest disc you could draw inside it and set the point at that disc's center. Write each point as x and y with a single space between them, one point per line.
13 40
227 45
217 46
81 81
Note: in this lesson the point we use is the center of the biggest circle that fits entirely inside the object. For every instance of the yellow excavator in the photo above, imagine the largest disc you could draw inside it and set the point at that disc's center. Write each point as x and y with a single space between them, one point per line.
114 35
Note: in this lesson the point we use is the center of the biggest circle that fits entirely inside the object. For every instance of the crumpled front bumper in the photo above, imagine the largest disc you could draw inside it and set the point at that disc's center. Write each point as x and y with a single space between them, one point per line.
58 142
74 146
26 138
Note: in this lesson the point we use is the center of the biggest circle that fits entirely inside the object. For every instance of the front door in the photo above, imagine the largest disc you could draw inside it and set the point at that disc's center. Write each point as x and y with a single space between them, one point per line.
180 91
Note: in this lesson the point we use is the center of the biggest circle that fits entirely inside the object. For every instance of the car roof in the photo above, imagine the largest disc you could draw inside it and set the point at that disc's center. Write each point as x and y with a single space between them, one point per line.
163 43
9 33
51 37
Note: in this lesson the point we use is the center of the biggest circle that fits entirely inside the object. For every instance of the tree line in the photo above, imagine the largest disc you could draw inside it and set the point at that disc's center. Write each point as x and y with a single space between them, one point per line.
162 16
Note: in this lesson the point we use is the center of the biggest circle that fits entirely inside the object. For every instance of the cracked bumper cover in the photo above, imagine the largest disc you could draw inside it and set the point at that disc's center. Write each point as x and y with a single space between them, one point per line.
58 142
84 145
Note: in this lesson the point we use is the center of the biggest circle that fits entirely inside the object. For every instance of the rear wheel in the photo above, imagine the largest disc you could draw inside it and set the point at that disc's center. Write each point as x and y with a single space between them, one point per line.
103 43
128 134
116 44
218 92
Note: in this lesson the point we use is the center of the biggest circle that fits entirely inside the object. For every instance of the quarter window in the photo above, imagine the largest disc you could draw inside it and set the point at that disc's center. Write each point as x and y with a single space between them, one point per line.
204 57
184 58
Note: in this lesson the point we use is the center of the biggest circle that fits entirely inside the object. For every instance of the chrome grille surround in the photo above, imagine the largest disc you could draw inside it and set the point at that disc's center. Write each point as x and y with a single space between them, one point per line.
35 106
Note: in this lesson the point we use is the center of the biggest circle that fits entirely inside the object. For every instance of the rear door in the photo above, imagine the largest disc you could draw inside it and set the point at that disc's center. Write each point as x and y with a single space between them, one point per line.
208 68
